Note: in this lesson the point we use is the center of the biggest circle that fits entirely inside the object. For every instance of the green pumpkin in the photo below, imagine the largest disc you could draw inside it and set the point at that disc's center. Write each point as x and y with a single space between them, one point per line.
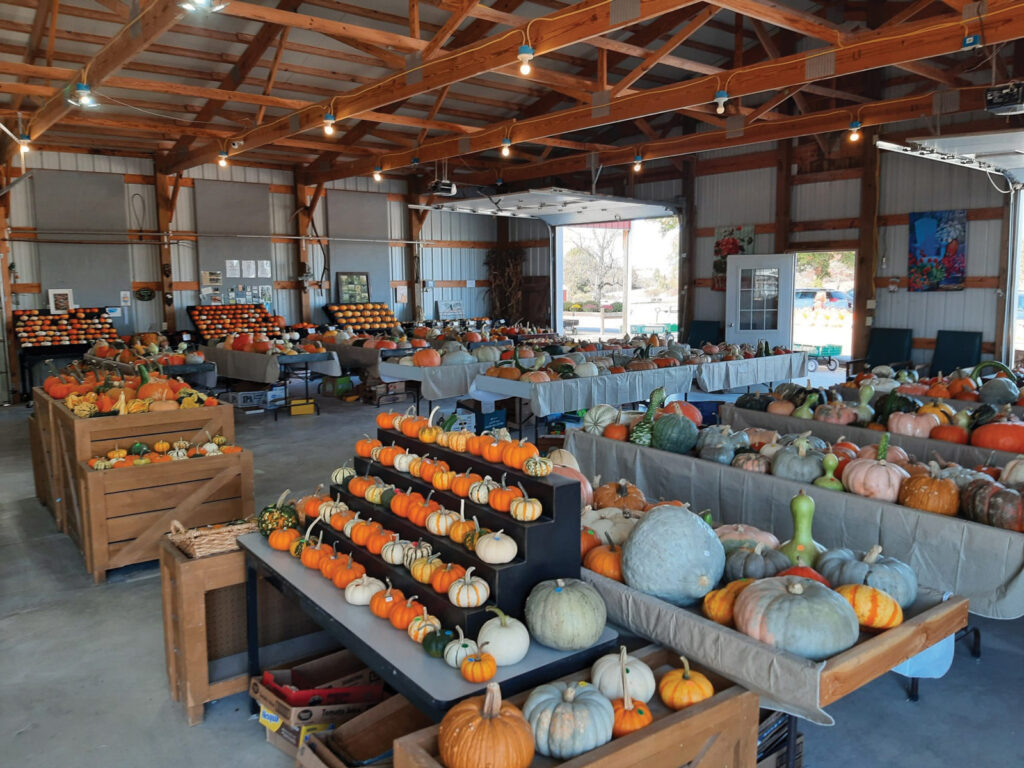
138 449
674 432
434 642
719 443
565 614
643 430
895 402
755 401
277 515
798 462
999 392
387 496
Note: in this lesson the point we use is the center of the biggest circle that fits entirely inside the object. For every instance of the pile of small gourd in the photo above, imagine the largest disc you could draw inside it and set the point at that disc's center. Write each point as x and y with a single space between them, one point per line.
162 451
563 720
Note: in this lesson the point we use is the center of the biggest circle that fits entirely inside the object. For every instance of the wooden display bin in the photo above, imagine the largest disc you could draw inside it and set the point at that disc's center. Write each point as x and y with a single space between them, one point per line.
204 620
66 440
721 731
125 512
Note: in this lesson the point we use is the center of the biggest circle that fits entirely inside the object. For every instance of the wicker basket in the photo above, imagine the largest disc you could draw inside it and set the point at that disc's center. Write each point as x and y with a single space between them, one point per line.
209 539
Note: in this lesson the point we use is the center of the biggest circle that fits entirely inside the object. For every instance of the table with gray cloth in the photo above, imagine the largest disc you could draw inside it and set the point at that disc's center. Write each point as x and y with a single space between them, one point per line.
263 368
784 681
437 382
921 448
729 374
574 394
949 554
350 356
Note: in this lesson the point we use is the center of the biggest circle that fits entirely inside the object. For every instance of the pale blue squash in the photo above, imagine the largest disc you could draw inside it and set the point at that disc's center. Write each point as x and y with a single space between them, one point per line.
568 719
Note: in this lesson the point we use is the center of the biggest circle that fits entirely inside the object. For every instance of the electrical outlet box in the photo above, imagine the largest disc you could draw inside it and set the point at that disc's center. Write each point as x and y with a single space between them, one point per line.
471 283
971 42
871 304
869 321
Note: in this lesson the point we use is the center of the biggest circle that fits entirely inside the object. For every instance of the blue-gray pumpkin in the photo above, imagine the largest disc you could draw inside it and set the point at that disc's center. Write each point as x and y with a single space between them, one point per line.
568 719
892 576
674 555
797 462
565 614
674 432
758 562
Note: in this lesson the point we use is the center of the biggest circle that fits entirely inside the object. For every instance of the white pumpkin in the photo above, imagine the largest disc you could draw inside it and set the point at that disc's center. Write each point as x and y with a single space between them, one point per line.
606 674
469 591
341 474
407 360
458 649
459 357
415 550
360 591
505 638
495 547
586 370
598 417
1013 472
615 528
329 509
563 458
487 354
404 460
440 521
347 530
393 552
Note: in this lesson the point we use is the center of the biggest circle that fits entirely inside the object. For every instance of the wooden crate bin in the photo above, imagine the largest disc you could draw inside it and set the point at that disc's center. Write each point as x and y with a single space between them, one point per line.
717 732
204 620
127 511
67 440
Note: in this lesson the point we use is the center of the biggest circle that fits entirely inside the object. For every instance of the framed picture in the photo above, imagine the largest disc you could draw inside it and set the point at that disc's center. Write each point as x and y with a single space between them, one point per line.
61 300
937 259
353 287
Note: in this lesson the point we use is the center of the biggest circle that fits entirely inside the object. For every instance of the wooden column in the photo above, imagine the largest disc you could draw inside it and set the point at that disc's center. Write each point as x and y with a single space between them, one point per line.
412 248
166 199
302 220
783 195
1004 347
13 369
867 246
687 247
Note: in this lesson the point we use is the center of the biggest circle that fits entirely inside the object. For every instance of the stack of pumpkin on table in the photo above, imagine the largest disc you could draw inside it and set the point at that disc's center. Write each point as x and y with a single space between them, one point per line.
90 392
217 321
162 451
974 385
40 328
778 593
361 317
263 344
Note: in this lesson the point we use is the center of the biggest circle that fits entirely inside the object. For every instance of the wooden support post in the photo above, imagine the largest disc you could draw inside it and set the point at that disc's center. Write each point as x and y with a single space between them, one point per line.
412 250
302 220
783 195
687 247
166 199
1004 347
867 246
13 369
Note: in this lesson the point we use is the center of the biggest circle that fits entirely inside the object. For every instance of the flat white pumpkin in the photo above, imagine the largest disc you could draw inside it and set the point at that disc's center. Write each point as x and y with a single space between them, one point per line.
496 547
360 591
606 674
504 637
458 649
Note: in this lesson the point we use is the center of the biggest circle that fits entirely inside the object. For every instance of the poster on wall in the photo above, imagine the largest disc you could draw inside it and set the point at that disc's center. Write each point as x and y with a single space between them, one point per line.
938 251
729 241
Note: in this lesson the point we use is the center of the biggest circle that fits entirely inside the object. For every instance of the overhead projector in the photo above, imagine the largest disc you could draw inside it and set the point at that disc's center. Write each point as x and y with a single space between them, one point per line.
443 188
1005 99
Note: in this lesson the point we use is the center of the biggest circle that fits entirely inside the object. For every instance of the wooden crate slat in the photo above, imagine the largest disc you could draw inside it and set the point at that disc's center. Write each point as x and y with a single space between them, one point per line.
171 473
133 526
134 502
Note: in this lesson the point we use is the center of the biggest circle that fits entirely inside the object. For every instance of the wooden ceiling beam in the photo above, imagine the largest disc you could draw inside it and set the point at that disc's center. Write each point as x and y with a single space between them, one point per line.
144 28
438 101
582 21
1004 21
34 38
771 104
448 29
272 74
785 17
909 11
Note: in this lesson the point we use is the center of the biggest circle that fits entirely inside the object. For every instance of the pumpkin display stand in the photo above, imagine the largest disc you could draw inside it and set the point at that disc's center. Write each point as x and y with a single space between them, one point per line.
204 623
718 731
435 383
66 441
541 544
125 512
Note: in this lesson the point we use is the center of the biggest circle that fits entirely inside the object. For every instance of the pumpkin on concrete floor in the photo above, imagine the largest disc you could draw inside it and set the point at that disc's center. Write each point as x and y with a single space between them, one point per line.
485 732
565 614
568 719
682 688
797 615
718 604
875 609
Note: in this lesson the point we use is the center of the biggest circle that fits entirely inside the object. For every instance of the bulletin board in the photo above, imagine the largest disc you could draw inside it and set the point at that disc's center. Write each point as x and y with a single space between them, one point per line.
353 287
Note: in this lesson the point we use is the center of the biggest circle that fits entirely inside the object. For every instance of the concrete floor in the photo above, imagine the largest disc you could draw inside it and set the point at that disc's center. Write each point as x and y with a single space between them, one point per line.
83 684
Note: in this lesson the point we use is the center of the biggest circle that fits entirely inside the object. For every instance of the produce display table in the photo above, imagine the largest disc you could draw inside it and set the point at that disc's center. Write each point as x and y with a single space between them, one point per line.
784 681
720 731
575 394
437 383
729 374
201 374
949 554
427 682
266 369
350 356
922 448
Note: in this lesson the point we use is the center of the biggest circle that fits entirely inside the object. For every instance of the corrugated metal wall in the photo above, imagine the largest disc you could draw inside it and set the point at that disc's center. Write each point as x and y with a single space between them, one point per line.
456 263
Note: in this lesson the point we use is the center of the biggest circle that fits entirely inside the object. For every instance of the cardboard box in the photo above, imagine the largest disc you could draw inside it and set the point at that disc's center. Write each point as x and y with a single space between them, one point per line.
337 386
494 420
464 420
289 739
254 398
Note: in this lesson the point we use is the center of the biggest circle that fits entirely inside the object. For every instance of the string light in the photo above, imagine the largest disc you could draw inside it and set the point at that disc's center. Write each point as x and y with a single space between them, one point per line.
222 158
720 98
525 56
202 6
328 124
638 163
855 126
23 144
377 175
82 97
506 147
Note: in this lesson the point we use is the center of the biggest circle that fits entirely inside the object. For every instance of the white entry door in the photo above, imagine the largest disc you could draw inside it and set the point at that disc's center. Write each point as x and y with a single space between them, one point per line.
759 299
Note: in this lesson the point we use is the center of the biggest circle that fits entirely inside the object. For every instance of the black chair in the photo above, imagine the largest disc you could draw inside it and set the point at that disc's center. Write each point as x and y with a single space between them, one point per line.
955 349
704 331
886 346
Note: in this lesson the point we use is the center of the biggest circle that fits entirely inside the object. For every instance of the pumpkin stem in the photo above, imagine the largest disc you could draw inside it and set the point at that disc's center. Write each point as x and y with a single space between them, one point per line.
502 616
611 544
569 694
883 447
462 637
281 498
469 573
686 667
872 556
759 548
796 588
627 700
309 530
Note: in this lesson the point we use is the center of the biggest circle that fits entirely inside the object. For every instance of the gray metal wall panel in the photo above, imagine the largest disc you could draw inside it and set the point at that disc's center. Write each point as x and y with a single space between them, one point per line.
361 216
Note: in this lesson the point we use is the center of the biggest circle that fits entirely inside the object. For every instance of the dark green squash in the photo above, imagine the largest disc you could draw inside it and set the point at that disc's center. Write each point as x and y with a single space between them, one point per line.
674 432
895 402
983 414
754 401
434 642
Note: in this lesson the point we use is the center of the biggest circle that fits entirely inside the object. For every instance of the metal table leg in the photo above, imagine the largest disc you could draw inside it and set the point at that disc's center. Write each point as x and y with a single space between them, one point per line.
252 626
791 734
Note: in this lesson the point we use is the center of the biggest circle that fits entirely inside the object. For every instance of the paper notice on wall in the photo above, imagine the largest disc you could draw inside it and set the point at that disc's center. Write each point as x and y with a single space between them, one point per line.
248 268
402 294
232 268
211 277
263 268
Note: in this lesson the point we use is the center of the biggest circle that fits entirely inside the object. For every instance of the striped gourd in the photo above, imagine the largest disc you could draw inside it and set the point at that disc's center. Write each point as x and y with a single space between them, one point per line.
875 609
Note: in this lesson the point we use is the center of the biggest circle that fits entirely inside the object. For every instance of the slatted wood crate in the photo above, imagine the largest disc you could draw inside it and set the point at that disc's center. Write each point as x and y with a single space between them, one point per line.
127 511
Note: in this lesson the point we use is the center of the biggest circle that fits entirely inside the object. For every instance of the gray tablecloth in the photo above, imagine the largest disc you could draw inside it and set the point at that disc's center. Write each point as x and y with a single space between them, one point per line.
921 448
949 554
437 383
575 394
262 368
354 357
715 377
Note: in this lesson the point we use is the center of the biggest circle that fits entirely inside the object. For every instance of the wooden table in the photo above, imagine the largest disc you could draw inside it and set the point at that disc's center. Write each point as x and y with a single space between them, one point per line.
428 682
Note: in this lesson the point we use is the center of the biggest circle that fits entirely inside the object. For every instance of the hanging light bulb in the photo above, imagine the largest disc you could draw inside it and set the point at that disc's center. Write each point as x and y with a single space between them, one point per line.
377 175
506 147
638 163
415 161
855 126
23 144
202 6
720 98
328 124
82 97
222 158
525 57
